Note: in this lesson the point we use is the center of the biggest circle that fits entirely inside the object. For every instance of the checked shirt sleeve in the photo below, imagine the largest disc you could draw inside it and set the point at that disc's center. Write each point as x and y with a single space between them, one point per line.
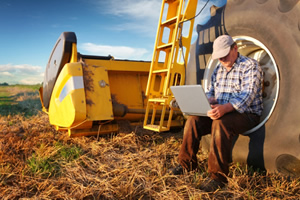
248 99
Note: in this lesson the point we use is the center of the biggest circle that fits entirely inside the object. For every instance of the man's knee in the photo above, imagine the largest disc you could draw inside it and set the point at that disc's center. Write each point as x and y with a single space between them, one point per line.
192 119
221 126
225 121
190 123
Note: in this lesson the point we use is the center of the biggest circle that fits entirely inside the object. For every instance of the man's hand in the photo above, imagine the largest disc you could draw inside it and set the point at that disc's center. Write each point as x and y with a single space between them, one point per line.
218 110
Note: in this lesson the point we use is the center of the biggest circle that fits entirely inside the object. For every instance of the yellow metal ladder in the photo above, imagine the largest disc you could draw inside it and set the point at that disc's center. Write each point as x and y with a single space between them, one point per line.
171 48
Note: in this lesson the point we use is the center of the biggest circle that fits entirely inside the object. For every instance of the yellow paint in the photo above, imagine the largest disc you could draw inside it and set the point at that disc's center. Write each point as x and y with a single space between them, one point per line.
98 96
74 53
71 110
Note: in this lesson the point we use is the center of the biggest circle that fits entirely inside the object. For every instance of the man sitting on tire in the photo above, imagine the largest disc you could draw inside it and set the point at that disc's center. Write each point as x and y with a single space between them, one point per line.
235 94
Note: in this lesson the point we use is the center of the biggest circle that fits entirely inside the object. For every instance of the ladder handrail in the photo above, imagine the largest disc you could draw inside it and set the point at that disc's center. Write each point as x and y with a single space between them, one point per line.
172 70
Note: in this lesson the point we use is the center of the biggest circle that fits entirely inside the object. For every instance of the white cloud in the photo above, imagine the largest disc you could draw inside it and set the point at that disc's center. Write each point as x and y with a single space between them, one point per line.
22 69
137 17
15 74
6 74
140 10
30 80
141 16
119 52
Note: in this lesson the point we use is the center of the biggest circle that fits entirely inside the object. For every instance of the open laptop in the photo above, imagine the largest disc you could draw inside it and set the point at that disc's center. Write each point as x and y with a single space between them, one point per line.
191 99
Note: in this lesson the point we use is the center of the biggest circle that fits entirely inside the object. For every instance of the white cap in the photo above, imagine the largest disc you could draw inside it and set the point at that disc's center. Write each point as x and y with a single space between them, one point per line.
221 46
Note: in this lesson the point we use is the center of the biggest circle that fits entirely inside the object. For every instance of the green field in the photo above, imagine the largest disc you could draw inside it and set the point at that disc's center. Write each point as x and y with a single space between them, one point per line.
19 99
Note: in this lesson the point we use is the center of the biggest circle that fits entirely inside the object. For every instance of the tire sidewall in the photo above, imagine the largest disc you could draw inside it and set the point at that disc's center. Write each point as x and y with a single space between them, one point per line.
279 32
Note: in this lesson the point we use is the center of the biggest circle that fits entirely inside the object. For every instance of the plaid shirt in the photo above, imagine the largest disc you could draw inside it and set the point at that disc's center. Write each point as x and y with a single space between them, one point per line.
241 86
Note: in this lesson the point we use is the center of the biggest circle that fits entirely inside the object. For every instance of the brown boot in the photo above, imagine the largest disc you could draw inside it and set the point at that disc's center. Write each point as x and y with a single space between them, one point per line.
178 170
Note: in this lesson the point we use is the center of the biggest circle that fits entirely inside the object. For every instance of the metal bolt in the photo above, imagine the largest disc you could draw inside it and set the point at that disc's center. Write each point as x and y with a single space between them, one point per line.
264 95
102 83
267 83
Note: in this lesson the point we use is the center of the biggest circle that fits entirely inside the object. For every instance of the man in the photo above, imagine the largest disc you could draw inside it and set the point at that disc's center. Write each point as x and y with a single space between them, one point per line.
235 95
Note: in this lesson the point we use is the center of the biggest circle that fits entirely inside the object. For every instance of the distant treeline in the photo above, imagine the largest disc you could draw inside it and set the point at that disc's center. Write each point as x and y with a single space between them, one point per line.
4 84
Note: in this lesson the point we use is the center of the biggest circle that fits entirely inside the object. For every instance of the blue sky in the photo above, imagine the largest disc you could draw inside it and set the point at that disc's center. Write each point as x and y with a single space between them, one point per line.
125 29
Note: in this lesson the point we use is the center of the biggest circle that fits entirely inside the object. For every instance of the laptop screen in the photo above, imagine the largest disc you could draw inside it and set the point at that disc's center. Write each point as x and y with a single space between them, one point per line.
191 99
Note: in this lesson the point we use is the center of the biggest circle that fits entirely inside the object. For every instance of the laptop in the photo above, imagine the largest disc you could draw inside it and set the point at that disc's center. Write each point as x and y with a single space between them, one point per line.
191 99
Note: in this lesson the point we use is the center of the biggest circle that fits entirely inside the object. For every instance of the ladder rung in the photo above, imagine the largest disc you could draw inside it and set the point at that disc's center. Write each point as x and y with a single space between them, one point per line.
153 127
160 71
165 46
170 1
169 21
159 100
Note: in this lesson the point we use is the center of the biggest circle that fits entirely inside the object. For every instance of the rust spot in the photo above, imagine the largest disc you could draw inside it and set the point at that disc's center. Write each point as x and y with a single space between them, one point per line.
88 83
87 79
89 102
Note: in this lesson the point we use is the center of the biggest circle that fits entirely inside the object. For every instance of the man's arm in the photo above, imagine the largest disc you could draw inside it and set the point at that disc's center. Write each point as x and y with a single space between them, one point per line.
251 86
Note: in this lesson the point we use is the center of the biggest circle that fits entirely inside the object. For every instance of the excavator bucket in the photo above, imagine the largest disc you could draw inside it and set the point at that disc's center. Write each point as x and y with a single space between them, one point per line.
87 95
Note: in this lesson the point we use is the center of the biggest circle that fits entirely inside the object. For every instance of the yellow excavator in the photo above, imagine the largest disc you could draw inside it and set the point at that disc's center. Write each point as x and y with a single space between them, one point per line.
88 95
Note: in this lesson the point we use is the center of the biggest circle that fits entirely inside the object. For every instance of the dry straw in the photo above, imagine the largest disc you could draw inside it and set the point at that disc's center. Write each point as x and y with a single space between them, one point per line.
37 162
130 165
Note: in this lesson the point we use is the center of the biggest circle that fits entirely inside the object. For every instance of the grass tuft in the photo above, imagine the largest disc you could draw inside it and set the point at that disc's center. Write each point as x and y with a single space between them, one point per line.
67 152
44 167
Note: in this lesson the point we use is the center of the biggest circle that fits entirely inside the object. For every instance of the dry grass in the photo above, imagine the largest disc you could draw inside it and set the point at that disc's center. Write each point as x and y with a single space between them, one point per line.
38 162
122 166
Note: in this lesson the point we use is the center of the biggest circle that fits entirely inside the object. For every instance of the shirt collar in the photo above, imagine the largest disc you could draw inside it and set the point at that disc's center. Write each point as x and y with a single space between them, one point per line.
236 63
238 59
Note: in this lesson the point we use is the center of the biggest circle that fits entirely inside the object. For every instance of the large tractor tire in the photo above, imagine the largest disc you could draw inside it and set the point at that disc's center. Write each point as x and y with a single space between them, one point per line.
269 31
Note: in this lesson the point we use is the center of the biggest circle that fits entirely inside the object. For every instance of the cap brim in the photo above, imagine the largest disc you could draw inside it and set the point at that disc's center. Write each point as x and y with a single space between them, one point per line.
221 53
